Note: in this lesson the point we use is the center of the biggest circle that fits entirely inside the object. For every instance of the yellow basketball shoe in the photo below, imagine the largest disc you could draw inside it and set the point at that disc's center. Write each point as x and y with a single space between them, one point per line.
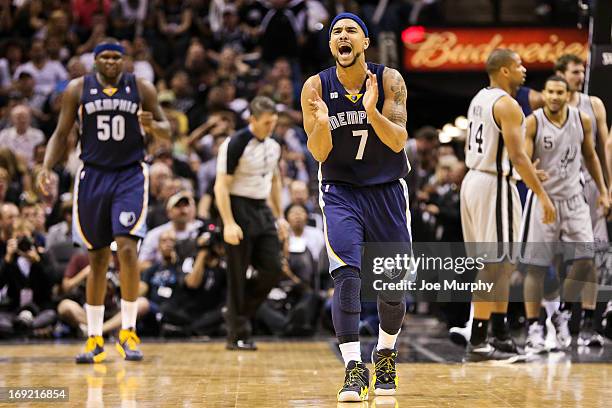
94 351
356 381
128 345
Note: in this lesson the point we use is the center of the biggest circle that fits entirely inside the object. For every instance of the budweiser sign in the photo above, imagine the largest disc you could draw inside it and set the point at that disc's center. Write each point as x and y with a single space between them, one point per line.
462 49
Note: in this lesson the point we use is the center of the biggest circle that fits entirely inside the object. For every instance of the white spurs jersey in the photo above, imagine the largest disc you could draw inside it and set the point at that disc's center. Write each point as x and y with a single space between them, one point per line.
484 148
559 150
584 105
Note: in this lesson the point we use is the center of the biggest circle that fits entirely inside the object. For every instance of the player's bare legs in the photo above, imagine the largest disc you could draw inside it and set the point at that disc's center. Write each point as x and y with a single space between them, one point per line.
501 333
533 292
581 274
94 308
581 279
588 336
96 281
129 277
485 304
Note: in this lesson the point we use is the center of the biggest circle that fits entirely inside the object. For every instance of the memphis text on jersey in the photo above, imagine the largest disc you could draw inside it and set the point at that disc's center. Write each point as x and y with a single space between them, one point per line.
103 105
348 118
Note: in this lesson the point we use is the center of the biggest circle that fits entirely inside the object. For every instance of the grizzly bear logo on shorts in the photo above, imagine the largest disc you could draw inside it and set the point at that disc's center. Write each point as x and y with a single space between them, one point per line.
127 218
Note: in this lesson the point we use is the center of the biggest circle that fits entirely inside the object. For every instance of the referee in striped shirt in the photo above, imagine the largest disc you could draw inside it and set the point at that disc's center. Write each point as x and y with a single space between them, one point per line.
247 175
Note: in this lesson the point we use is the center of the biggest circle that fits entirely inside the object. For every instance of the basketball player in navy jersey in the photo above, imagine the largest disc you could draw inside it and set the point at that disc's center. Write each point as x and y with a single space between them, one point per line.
115 110
528 99
355 118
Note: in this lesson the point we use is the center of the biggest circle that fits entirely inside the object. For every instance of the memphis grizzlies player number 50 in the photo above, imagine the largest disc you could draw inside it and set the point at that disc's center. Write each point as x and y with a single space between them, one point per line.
108 128
114 110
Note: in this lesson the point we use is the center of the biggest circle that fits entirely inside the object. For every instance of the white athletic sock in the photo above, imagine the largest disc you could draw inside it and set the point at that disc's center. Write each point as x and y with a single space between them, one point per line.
468 324
386 340
129 312
552 305
95 319
350 351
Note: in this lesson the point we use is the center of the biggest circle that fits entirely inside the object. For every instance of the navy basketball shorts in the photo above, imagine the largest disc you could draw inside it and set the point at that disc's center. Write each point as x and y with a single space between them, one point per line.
109 203
356 215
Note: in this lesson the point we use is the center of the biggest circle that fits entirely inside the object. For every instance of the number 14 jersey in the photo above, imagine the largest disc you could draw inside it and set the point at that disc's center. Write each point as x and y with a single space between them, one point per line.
111 136
358 156
484 148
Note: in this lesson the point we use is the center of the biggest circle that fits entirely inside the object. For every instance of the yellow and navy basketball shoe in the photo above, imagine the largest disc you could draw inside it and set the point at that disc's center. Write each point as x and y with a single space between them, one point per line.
94 351
356 381
385 375
127 345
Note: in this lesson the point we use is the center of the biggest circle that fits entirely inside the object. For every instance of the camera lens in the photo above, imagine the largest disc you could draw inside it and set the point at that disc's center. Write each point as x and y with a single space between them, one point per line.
24 244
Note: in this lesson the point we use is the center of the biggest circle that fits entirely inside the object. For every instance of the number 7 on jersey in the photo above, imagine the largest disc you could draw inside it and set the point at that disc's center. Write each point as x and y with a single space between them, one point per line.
364 138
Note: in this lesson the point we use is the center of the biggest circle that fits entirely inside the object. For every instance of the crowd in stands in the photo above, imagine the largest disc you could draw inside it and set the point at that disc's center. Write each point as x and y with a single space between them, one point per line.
207 59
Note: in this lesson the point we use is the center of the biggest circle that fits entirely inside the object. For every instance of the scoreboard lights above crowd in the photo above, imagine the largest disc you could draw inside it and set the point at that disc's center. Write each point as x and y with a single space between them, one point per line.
466 49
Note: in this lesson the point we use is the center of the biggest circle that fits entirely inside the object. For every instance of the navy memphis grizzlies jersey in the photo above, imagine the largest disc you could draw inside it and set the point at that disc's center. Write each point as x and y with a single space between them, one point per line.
358 157
522 97
110 133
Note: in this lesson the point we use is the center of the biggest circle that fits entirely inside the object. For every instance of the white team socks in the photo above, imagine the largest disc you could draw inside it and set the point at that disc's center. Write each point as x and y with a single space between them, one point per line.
551 306
350 351
386 340
95 319
129 312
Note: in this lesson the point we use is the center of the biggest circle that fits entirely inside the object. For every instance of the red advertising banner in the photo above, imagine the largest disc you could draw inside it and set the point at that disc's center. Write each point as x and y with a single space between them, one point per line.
466 49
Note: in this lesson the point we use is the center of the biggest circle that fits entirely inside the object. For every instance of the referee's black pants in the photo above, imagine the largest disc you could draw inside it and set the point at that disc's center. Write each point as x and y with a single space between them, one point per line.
260 248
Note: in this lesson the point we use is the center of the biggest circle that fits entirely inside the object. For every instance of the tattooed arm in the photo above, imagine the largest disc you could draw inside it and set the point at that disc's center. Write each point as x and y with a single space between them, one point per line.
390 124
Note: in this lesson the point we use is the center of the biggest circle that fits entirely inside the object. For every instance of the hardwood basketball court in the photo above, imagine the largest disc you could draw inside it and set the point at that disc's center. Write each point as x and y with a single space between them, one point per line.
301 374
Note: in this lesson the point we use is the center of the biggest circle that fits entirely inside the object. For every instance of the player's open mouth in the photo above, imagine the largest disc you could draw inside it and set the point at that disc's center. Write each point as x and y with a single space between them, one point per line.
345 50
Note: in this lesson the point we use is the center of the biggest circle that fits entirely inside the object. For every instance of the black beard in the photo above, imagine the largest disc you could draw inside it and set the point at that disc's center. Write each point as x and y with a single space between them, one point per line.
352 62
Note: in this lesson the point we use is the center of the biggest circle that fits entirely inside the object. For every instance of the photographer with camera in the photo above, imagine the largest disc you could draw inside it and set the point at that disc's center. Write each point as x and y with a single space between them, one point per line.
181 211
158 283
199 294
8 214
247 175
27 273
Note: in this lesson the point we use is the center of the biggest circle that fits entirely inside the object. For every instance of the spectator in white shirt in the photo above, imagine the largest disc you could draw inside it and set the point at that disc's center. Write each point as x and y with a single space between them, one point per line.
301 234
181 211
45 72
22 138
25 88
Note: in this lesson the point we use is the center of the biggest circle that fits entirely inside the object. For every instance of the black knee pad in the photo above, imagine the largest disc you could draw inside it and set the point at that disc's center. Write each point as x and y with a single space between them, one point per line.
347 289
391 314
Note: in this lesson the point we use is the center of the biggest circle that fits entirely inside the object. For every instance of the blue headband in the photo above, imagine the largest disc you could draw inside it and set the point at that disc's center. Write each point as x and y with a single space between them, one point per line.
108 47
350 16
